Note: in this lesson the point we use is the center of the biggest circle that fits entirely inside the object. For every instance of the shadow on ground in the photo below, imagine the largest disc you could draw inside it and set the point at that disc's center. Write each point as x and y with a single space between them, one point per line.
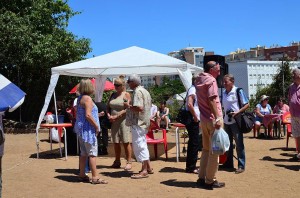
289 167
117 174
171 170
180 184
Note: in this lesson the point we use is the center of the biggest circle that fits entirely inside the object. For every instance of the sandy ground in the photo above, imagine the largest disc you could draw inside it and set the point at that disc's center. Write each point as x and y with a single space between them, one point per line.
268 173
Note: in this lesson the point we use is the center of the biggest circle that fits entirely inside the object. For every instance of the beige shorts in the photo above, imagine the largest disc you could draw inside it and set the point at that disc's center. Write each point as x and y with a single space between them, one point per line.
296 126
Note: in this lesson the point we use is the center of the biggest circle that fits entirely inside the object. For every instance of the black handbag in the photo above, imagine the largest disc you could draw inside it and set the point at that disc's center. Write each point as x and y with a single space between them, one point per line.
104 122
184 116
244 120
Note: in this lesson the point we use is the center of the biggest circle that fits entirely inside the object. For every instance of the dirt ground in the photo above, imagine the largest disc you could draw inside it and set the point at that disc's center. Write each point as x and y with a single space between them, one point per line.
268 173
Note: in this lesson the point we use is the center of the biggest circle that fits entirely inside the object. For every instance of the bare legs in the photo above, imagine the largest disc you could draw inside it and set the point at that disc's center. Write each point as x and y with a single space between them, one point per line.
128 151
146 167
165 119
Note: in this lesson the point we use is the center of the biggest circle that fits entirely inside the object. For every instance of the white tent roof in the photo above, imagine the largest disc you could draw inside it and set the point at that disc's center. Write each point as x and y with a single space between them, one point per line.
132 60
127 61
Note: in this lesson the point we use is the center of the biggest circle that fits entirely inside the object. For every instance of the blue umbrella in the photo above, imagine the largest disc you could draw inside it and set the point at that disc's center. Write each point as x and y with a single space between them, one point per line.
11 96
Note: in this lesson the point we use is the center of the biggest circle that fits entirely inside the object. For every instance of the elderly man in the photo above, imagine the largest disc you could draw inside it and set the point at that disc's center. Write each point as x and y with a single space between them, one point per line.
294 103
211 118
138 117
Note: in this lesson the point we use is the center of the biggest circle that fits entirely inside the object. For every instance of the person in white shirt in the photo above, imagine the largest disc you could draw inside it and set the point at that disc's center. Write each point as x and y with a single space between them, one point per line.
153 112
193 130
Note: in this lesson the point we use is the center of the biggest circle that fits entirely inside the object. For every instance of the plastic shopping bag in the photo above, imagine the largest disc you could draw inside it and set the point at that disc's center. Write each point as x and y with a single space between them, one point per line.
220 142
54 135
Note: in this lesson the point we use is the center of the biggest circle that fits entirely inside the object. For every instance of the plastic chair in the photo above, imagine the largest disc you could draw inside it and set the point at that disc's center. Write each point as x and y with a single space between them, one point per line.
286 120
222 158
151 140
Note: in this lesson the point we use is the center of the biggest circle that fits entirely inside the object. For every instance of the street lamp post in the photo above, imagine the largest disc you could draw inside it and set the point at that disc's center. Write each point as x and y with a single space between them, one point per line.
282 75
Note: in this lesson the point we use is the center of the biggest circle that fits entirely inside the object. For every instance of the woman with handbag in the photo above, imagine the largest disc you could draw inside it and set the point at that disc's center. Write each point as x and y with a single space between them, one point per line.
230 102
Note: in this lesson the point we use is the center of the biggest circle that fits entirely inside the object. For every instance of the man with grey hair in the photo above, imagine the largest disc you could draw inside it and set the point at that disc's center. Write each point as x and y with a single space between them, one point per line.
294 104
211 119
138 118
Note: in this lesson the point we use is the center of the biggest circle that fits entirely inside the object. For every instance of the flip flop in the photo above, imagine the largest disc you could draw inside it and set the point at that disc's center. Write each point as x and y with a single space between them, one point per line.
98 181
139 176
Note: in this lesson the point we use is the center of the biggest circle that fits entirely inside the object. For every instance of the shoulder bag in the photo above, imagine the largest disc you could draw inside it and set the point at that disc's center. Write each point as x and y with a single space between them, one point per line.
184 116
244 120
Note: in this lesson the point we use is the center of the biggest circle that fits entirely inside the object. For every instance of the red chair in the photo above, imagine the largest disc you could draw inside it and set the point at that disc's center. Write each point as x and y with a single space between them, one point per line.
286 120
151 140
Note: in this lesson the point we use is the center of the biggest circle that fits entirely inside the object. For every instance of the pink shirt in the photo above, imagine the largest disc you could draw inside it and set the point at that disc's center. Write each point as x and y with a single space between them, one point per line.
206 87
294 98
282 110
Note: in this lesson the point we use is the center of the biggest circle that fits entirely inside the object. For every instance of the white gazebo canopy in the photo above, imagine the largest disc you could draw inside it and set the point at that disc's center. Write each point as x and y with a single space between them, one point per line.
132 60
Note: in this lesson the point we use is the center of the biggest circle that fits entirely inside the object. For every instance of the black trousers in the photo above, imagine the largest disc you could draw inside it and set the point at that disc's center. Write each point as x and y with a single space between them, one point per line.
194 145
103 140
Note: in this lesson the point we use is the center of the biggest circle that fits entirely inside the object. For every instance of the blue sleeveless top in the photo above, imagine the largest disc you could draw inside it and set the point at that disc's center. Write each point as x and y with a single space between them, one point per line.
83 127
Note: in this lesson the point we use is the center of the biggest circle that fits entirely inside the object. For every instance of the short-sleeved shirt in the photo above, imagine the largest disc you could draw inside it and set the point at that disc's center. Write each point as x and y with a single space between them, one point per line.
230 102
206 87
294 98
281 110
192 91
153 110
141 98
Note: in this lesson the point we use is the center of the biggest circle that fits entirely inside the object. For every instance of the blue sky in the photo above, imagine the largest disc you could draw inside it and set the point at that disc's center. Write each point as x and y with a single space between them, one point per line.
221 26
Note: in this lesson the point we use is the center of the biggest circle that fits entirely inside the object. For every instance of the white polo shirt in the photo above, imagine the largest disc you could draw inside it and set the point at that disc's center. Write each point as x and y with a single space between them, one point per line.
230 101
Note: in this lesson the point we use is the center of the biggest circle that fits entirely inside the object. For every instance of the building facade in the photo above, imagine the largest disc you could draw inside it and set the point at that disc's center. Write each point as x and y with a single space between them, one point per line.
251 74
274 53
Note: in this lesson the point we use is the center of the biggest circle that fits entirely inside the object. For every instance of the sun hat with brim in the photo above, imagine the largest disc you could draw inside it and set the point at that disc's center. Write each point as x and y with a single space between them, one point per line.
263 97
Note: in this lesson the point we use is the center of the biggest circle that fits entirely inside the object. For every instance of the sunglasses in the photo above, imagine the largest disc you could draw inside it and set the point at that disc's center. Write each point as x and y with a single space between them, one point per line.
117 85
129 81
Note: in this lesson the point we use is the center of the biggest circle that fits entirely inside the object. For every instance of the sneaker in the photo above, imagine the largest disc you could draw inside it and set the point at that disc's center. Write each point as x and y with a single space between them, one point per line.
213 185
239 170
195 171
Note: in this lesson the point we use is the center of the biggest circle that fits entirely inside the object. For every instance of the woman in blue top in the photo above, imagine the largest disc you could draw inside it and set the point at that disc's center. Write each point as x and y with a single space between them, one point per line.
262 109
87 128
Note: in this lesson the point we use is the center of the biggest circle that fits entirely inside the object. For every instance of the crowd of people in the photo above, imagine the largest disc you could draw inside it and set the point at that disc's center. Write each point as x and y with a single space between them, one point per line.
130 115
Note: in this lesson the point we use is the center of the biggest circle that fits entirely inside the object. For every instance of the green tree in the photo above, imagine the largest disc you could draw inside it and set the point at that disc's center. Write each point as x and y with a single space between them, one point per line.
34 38
166 90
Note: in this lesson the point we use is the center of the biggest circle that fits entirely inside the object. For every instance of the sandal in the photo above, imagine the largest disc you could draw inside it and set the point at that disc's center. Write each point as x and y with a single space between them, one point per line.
84 179
128 166
98 181
149 171
116 164
140 176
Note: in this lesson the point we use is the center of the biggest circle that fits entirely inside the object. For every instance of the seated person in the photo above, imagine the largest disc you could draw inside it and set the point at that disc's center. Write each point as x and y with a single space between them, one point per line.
262 109
163 115
153 112
280 108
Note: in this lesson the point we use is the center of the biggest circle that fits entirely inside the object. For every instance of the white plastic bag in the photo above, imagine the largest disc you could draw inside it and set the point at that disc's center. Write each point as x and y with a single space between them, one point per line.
49 119
220 142
54 135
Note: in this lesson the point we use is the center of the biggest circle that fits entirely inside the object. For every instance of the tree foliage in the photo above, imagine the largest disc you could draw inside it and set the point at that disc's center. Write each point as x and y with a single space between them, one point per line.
166 90
34 38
